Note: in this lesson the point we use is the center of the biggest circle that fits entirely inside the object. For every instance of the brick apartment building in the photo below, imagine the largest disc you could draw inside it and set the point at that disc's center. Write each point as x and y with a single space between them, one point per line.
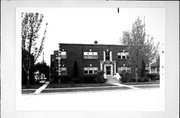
90 58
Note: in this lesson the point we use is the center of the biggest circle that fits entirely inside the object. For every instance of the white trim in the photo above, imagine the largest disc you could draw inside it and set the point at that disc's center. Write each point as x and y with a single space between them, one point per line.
114 67
101 65
90 55
90 68
104 55
110 54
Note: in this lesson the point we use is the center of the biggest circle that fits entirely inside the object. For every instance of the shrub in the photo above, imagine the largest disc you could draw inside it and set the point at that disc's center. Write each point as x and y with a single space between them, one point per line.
126 77
89 78
65 79
78 80
95 78
143 79
54 78
99 78
153 76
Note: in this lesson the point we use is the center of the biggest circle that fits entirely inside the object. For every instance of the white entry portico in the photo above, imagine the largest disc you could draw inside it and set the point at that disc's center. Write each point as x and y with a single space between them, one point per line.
109 67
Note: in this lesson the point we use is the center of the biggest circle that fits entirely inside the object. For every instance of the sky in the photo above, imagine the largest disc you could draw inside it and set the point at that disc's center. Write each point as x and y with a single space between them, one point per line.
85 25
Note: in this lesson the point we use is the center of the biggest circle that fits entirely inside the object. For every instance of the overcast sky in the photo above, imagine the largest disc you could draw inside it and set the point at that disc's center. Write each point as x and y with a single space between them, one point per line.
85 25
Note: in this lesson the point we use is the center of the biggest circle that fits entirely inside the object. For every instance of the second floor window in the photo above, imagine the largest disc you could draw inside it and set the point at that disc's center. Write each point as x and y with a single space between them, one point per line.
63 55
123 55
90 55
108 56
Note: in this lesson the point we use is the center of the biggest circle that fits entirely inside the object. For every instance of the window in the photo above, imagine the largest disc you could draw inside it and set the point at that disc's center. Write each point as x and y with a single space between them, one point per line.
63 71
123 55
90 55
85 71
63 55
121 69
107 56
128 69
95 70
90 70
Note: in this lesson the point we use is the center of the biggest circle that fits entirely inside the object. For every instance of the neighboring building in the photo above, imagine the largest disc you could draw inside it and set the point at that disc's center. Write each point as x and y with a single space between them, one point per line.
54 63
154 68
147 68
89 58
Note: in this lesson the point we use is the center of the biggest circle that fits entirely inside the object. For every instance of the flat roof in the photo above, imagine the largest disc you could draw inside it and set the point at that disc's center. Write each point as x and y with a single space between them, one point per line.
91 44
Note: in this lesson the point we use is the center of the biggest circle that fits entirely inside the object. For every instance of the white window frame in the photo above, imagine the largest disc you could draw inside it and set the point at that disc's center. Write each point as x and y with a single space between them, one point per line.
63 56
88 69
120 69
64 69
121 54
90 55
128 69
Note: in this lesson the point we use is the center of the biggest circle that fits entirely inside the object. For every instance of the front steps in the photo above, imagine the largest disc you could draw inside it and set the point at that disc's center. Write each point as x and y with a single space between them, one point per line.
112 79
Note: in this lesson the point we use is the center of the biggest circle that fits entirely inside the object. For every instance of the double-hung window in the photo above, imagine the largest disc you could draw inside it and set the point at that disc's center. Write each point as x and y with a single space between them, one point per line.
63 55
90 70
123 55
90 55
123 68
63 71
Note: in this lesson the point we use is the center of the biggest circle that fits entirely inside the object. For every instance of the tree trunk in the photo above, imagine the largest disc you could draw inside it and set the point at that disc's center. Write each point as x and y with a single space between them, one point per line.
28 78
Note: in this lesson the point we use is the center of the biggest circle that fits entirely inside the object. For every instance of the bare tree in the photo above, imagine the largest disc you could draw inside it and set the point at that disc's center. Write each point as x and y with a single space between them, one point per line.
31 23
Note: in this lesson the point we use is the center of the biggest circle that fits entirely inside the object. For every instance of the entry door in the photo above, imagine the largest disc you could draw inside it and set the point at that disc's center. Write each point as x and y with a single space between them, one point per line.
108 70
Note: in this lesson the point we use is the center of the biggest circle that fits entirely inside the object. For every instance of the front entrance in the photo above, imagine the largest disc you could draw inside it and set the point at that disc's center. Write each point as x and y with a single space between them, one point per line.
108 69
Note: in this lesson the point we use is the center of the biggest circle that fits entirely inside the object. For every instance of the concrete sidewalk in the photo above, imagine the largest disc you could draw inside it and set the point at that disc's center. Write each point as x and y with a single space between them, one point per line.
39 90
123 85
117 86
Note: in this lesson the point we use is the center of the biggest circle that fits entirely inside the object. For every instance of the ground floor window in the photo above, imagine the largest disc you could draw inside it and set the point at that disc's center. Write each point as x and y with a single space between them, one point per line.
63 71
90 70
121 69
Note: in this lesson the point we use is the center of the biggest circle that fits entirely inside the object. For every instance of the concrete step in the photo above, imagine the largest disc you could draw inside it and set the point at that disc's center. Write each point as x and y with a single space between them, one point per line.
112 79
